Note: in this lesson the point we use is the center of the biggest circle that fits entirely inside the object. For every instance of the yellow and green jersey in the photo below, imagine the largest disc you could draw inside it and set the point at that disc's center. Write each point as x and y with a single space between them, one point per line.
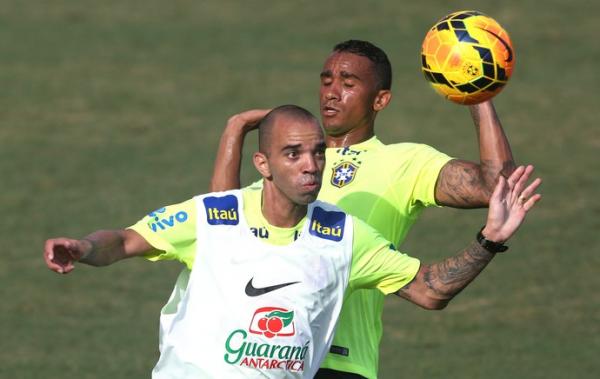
386 186
171 231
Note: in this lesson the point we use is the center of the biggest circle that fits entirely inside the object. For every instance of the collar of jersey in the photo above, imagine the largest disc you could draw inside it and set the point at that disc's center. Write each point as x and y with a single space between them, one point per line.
371 143
256 215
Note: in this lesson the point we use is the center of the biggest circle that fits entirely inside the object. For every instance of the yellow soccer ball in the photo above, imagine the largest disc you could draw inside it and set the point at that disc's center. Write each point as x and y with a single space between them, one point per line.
467 57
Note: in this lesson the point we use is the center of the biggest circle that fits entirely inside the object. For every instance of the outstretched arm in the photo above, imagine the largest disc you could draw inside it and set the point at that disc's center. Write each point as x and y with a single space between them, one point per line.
436 284
226 172
100 248
464 184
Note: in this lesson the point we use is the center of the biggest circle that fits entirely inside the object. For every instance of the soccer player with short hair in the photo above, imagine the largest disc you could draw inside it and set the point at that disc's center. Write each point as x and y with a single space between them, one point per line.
255 309
386 186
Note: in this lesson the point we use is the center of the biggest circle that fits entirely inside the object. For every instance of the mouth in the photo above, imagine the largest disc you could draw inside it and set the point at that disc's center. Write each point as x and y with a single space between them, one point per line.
328 110
311 186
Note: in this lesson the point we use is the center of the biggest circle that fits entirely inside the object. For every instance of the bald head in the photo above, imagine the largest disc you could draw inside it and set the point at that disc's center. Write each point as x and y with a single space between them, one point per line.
278 118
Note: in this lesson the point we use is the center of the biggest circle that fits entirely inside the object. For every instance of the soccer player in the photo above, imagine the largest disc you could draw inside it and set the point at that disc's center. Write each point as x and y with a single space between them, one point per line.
387 186
254 309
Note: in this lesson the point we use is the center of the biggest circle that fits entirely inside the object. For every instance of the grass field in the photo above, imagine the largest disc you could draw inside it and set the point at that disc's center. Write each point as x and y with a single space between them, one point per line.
111 109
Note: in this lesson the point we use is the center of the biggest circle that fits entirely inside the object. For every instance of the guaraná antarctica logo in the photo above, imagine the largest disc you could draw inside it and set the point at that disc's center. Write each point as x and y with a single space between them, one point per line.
270 322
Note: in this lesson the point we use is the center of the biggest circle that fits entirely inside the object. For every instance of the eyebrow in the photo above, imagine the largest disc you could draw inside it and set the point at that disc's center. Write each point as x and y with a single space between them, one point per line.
291 147
326 73
343 74
320 145
349 75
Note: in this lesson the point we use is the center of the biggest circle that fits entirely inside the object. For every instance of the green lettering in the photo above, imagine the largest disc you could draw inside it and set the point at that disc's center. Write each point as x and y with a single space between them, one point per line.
238 352
304 350
273 350
263 350
296 350
284 352
251 349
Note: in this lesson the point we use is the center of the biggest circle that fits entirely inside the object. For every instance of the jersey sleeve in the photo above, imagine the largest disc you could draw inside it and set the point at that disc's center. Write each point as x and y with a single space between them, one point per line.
376 264
171 231
421 173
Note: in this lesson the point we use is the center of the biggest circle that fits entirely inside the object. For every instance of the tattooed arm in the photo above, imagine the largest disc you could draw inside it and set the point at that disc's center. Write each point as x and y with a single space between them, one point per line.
100 248
464 184
436 284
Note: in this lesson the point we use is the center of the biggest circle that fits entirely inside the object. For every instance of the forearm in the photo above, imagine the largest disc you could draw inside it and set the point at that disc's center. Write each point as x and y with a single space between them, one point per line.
465 184
226 171
436 284
494 149
103 247
445 279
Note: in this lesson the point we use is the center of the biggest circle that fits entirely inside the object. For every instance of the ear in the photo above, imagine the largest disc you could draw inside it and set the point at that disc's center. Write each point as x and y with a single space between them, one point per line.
382 99
262 164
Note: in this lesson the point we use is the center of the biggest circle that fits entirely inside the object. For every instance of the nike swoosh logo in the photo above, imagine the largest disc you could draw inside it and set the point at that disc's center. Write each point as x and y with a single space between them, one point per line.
502 41
253 291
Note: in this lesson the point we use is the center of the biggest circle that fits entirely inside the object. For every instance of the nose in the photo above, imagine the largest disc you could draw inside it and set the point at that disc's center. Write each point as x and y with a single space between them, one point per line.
311 166
331 91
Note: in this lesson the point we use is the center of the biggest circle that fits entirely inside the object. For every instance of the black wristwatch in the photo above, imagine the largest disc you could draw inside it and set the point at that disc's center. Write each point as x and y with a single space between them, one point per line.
491 246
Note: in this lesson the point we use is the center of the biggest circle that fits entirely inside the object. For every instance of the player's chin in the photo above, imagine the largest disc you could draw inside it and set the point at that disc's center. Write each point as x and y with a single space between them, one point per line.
333 127
309 193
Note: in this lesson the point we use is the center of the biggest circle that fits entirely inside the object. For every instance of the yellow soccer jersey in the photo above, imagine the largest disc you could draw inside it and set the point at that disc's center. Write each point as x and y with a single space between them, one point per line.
172 232
387 186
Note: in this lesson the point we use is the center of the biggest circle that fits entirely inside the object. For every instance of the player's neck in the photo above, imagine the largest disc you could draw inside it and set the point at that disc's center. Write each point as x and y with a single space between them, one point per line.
351 137
279 210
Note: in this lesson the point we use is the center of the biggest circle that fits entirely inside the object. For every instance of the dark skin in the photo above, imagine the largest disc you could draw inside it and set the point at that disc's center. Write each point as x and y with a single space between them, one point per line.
291 163
292 167
350 99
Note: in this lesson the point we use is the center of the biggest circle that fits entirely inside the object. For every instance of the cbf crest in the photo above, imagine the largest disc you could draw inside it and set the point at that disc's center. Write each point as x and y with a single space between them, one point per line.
343 174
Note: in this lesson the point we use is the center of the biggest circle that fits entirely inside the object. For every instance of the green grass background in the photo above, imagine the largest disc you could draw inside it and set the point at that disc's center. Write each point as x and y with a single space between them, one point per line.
110 109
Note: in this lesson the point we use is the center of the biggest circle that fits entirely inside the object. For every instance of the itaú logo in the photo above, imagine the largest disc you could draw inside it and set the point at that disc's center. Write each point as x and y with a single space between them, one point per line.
221 210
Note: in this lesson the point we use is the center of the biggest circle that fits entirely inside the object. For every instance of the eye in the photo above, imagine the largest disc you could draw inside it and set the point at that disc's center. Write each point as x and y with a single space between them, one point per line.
348 84
292 154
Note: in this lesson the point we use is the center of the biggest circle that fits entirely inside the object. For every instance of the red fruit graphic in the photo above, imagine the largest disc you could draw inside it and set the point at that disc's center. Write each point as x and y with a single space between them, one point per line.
262 323
274 324
269 334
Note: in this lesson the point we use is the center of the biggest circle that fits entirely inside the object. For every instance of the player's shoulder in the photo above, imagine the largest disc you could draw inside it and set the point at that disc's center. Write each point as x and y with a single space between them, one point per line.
328 221
404 153
406 147
329 207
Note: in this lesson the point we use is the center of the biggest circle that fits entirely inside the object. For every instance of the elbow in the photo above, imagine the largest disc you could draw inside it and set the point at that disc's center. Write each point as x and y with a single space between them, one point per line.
434 304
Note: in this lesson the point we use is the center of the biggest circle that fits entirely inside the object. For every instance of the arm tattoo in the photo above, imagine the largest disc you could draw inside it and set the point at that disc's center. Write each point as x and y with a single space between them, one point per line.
447 278
462 185
106 247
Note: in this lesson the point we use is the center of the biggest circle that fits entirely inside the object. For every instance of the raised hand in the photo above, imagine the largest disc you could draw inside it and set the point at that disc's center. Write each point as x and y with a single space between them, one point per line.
510 203
247 120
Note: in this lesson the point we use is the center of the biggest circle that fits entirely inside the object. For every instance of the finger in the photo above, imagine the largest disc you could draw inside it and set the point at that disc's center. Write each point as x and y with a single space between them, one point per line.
520 182
254 116
57 254
49 256
531 188
499 193
514 177
531 202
